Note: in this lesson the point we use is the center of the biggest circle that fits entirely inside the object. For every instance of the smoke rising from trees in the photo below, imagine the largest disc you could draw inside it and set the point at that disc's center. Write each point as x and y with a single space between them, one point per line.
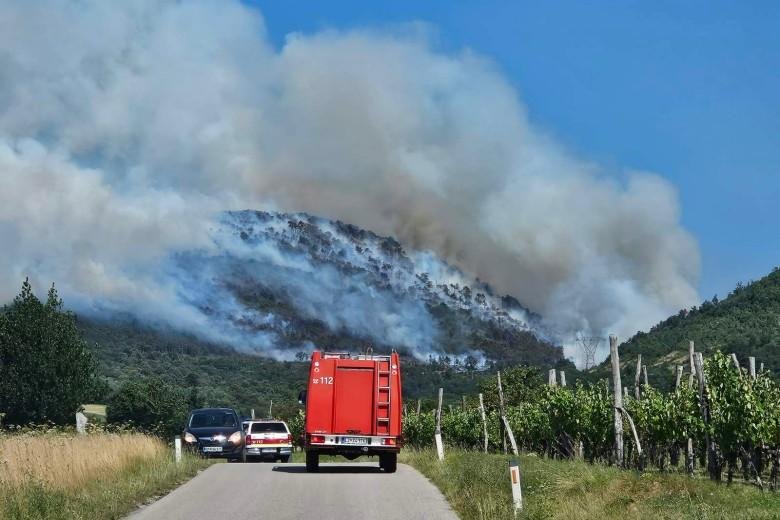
125 128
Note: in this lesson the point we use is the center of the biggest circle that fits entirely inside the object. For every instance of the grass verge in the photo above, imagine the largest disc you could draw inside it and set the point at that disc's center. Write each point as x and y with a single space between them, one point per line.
477 487
97 476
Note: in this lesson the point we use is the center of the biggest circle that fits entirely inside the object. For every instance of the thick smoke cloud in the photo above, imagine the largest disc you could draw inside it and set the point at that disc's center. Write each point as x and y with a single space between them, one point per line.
125 127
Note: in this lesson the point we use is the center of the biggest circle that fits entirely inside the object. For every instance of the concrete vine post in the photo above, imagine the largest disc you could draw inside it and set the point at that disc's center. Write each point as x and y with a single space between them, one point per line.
735 362
563 378
551 377
419 404
505 423
616 386
752 365
484 421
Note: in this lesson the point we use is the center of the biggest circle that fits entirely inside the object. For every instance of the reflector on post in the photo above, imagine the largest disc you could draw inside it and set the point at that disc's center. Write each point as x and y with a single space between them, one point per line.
514 476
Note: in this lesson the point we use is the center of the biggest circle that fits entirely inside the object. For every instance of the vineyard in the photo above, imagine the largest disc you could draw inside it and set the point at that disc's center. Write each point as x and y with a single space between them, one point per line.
731 426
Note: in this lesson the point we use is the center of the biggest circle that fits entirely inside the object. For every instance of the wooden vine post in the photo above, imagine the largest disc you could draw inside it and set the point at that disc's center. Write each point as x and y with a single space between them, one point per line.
679 378
419 404
616 386
690 362
644 375
484 421
637 395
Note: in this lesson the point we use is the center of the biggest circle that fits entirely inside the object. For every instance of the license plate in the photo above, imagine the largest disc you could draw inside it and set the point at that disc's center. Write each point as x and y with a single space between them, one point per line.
212 449
354 440
269 450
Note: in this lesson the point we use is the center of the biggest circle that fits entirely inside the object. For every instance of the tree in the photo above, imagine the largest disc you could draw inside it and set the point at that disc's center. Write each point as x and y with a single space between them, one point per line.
149 403
520 383
46 369
194 400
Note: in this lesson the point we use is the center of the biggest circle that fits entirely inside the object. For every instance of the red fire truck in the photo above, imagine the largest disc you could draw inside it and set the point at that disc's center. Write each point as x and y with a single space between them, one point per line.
353 408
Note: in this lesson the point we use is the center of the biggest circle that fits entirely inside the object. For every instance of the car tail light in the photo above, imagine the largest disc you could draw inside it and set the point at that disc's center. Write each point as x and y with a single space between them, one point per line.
249 439
289 438
318 439
388 441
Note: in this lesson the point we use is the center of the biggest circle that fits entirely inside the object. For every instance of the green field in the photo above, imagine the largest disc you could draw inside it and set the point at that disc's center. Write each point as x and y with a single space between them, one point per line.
477 486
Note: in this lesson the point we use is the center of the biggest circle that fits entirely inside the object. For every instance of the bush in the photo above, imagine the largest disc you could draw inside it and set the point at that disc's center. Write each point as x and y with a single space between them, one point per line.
150 404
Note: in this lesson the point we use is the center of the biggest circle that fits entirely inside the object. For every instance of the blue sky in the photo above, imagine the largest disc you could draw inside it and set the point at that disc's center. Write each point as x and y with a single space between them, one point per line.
689 90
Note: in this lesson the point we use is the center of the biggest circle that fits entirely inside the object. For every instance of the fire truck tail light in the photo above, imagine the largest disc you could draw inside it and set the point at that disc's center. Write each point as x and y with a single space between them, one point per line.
318 439
388 441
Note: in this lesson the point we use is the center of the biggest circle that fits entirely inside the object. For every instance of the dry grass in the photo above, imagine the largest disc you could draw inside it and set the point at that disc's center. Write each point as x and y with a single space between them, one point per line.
53 475
69 462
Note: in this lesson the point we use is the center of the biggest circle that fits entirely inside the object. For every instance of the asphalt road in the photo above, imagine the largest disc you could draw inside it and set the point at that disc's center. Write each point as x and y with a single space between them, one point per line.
285 491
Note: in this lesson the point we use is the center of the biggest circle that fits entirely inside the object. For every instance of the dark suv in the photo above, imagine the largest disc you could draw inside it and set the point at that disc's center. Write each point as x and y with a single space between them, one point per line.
215 432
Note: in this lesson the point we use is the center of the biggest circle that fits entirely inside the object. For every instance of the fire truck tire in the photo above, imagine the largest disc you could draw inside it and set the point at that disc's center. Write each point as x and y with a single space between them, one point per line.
312 461
388 462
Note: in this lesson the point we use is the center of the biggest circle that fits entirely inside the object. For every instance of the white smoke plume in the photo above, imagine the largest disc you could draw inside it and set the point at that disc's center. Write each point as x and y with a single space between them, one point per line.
125 127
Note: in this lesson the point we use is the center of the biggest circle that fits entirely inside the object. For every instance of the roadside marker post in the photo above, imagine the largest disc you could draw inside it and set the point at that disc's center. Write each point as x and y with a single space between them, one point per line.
177 448
439 446
517 492
437 434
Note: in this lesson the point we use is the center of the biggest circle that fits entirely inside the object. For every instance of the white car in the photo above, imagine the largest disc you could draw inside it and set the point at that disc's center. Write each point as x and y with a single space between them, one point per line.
268 439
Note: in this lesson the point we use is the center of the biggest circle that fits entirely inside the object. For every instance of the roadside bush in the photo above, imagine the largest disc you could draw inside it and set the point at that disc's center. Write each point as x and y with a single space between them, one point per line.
151 405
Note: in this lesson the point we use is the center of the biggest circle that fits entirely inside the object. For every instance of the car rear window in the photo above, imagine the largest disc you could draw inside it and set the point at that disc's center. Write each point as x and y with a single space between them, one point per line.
268 427
212 419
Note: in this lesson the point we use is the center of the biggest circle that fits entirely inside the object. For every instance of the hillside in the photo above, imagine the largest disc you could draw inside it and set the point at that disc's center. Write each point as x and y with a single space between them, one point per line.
275 286
746 323
222 376
237 319
278 283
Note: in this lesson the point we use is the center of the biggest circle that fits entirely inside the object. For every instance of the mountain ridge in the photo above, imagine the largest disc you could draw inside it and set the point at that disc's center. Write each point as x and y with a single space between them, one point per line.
746 323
